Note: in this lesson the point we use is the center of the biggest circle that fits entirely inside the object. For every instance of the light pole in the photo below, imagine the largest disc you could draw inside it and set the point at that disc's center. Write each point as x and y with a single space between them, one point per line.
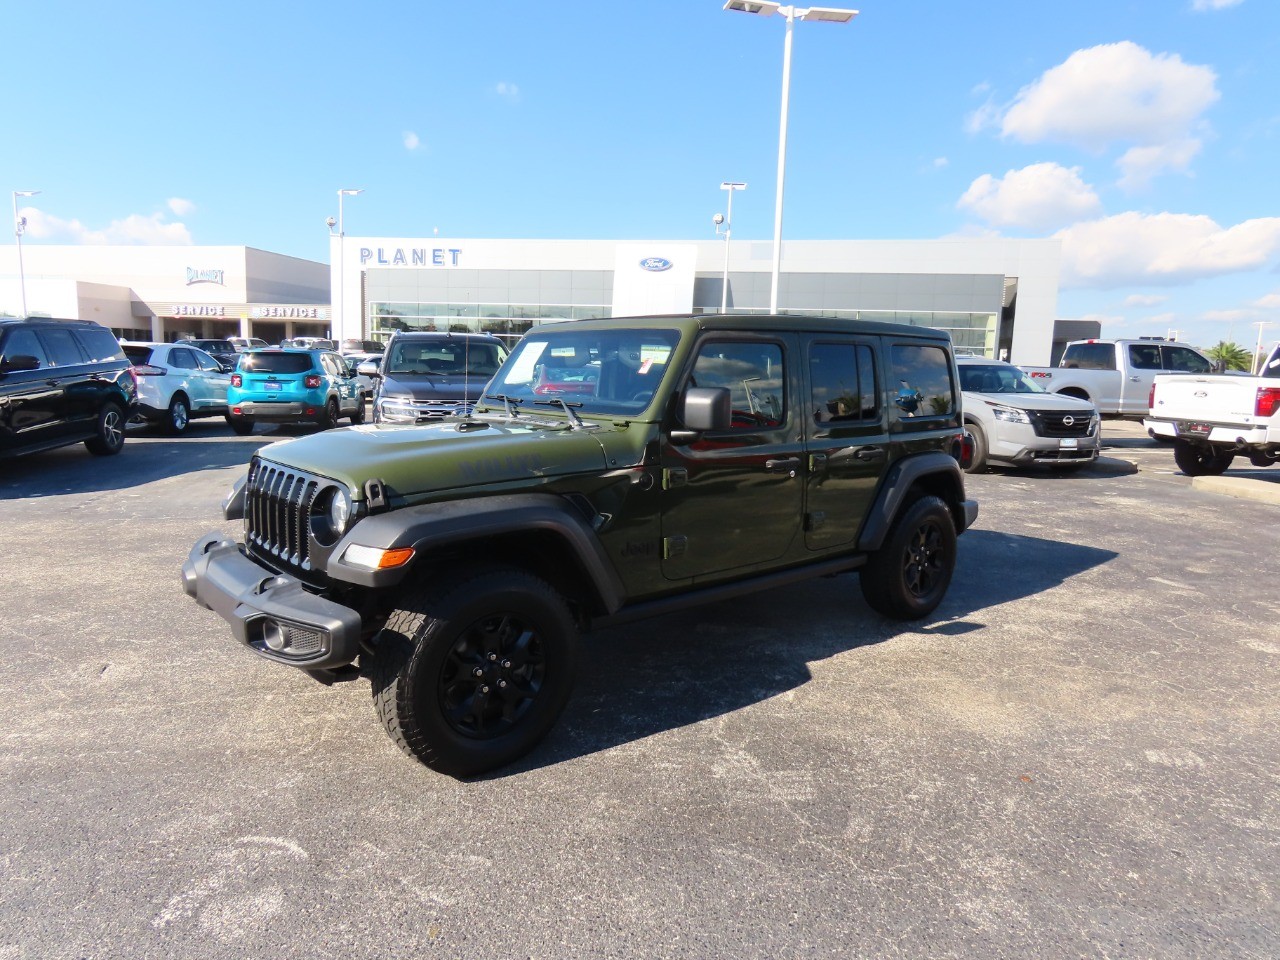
342 263
765 8
1255 367
19 227
728 228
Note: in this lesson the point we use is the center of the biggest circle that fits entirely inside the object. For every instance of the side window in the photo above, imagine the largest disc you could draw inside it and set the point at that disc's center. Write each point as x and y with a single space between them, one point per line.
25 343
1185 361
207 362
1090 356
844 383
61 347
920 381
182 358
98 344
1144 356
754 376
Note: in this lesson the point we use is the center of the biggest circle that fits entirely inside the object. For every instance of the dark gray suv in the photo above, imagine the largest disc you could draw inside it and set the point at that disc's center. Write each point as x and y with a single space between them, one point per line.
427 376
63 382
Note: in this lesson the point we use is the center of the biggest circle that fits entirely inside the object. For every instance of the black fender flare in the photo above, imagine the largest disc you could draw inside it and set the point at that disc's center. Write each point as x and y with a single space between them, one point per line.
899 480
431 526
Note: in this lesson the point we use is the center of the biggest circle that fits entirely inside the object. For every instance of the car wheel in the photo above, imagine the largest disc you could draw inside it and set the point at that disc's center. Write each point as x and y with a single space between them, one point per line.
329 419
469 674
1200 460
240 426
908 576
979 463
357 415
108 438
178 417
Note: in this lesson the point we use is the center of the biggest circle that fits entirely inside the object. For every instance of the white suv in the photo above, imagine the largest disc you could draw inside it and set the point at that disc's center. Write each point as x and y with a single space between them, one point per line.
1015 422
177 382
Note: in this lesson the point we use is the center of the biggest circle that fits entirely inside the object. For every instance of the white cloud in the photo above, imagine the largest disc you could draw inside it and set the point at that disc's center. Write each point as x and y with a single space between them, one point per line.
180 207
1144 300
133 229
1164 248
1140 164
508 90
940 162
1117 92
1270 302
1040 196
1203 5
411 141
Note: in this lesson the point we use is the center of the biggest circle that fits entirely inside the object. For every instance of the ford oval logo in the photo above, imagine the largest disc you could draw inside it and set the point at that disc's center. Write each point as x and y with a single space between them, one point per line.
655 264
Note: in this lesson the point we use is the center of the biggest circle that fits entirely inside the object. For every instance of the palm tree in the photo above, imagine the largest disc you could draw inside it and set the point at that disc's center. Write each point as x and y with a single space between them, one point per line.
1230 356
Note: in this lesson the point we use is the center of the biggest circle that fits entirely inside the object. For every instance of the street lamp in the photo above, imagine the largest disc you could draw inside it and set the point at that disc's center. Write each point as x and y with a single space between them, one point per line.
19 228
342 262
764 8
728 227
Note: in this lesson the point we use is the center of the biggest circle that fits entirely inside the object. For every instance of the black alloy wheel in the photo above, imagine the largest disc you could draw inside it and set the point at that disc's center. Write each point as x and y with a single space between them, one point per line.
331 414
492 676
1200 459
909 575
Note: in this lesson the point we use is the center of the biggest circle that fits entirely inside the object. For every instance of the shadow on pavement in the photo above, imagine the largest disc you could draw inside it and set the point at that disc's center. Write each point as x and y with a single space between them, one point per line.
662 674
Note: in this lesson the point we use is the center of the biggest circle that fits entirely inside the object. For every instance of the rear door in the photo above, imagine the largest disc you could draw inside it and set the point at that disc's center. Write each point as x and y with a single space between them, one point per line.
847 437
213 382
1144 362
733 498
76 396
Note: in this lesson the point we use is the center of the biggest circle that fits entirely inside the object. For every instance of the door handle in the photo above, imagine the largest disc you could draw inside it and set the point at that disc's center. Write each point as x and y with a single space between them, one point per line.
869 454
788 466
1135 379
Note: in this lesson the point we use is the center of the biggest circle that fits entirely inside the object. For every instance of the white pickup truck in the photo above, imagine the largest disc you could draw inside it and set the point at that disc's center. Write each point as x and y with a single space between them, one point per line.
1116 375
1212 419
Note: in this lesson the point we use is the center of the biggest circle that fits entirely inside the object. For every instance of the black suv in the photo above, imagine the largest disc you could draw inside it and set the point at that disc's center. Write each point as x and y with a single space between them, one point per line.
224 351
426 376
63 382
614 469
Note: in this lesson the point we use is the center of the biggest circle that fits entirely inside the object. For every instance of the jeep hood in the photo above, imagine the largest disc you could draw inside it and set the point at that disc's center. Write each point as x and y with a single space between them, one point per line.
416 459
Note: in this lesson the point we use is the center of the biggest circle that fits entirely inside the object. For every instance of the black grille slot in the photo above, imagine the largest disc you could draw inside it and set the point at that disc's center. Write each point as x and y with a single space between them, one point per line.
1054 423
278 515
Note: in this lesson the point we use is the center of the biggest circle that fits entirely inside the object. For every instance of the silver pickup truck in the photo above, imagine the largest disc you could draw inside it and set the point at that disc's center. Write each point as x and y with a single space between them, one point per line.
1116 375
1213 419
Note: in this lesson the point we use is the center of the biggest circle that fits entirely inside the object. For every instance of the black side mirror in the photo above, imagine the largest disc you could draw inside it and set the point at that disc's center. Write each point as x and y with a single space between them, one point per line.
707 408
19 361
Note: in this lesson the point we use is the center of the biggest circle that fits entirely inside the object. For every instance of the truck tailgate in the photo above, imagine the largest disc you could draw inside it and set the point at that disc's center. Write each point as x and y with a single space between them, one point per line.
1214 399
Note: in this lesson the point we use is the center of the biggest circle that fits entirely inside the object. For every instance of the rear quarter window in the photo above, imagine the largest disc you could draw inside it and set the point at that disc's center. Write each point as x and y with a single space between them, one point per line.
920 380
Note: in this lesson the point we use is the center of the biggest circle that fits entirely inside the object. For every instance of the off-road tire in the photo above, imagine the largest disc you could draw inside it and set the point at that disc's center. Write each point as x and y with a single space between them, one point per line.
908 576
1200 460
509 626
108 436
979 462
357 415
240 426
178 417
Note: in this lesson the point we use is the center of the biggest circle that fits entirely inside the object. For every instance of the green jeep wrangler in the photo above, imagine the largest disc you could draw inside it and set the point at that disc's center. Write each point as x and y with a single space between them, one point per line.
614 469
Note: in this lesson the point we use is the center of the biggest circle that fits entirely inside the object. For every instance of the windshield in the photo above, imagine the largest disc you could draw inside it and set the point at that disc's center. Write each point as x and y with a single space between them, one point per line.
606 371
457 356
995 378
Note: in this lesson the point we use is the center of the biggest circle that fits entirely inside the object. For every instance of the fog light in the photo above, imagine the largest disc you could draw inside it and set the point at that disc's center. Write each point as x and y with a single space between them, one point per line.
273 636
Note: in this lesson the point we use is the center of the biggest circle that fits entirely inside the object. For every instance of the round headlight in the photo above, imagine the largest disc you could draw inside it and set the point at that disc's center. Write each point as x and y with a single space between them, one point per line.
339 511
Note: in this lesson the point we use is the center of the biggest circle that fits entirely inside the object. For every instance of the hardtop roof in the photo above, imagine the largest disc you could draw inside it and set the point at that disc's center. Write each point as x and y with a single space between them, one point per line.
755 324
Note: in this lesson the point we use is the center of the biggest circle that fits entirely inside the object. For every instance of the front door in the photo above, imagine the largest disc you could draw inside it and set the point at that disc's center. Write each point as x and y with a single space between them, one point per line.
732 498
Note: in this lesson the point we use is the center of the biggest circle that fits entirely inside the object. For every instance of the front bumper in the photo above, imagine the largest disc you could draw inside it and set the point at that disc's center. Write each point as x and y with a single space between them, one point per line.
1018 443
272 614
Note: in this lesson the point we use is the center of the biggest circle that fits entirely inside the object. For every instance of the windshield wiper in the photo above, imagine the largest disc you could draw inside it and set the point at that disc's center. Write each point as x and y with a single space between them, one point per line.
507 402
575 421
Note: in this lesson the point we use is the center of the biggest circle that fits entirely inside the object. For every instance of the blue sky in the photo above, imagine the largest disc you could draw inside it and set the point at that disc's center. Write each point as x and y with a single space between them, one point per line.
1145 134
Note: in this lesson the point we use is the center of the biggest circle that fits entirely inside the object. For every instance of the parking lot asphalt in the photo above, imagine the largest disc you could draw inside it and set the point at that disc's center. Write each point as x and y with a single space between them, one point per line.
1074 757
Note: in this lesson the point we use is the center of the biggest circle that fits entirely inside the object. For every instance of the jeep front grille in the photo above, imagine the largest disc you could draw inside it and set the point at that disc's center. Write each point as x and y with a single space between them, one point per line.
1053 423
277 515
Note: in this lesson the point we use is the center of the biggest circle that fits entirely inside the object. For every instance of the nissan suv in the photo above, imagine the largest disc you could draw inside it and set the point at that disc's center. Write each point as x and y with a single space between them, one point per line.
612 470
63 382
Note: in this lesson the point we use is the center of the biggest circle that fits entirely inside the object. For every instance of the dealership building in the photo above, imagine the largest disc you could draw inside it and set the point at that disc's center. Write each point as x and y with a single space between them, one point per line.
996 297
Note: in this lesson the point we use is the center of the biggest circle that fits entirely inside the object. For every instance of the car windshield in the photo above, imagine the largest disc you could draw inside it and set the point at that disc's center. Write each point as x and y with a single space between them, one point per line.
275 361
457 356
995 378
606 371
